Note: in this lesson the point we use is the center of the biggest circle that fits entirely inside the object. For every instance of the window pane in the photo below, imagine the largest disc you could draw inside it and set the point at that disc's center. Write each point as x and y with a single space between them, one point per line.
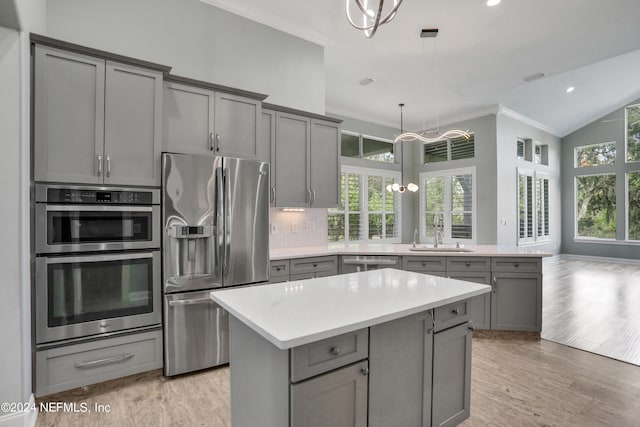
390 198
391 230
375 226
634 205
596 203
597 154
546 207
354 192
379 151
350 145
538 154
633 133
434 194
375 191
461 226
461 206
354 226
520 150
529 206
341 207
522 205
335 225
539 213
462 148
435 152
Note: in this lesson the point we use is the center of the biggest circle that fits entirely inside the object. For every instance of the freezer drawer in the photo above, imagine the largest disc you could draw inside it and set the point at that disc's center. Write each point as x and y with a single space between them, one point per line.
196 333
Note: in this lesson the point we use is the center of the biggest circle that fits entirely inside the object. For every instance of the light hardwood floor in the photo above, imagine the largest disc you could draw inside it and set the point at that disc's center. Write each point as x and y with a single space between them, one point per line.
514 383
594 306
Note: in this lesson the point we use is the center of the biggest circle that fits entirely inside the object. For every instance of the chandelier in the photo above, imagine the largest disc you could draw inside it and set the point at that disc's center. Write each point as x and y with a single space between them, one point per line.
371 18
428 136
401 188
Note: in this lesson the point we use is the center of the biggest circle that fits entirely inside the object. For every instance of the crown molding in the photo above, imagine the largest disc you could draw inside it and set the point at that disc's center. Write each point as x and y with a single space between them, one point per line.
526 120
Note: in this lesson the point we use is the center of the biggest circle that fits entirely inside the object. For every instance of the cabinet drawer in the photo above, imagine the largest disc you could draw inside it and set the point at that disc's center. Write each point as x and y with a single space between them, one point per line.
322 356
315 265
517 265
468 264
452 314
278 269
424 264
64 368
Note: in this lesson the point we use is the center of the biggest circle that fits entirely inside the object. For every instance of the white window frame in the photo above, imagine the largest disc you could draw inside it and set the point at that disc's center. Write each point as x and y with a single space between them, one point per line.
575 155
626 138
448 141
364 205
446 235
535 175
576 237
361 137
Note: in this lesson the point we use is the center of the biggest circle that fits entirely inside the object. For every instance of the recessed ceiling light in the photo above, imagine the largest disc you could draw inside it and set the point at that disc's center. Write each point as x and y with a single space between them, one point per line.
492 2
571 89
367 81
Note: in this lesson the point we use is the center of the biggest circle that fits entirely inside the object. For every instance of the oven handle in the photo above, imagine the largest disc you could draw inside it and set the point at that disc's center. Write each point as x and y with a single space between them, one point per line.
190 301
106 361
100 208
98 258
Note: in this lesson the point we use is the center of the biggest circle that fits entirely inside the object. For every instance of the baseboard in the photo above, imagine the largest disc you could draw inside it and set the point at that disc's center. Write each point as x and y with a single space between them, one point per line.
599 259
21 419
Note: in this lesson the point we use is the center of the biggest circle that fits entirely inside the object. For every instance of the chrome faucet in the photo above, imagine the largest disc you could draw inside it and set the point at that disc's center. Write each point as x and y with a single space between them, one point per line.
415 236
438 220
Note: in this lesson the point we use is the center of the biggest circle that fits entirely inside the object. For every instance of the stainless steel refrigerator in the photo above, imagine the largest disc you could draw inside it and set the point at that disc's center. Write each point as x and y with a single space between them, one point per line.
215 213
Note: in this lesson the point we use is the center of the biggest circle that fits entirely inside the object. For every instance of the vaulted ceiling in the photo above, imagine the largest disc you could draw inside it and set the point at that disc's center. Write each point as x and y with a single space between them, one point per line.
477 62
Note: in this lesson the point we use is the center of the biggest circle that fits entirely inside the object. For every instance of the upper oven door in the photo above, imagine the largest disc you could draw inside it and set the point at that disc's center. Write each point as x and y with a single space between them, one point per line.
80 228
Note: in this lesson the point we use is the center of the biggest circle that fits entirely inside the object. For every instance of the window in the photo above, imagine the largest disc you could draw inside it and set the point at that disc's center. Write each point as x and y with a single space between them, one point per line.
449 149
367 211
447 199
595 155
533 206
633 206
596 206
632 119
520 150
367 147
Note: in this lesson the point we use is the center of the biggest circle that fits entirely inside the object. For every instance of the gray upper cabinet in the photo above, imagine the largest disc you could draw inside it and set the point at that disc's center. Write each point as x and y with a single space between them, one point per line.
68 116
95 121
199 120
305 161
268 137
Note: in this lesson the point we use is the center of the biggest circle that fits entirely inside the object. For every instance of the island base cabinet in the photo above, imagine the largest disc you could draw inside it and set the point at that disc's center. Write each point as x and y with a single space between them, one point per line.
516 302
400 357
451 376
480 305
336 399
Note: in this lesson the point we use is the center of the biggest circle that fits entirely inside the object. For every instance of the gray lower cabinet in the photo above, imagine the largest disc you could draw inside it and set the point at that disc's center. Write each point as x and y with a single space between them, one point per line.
433 265
451 399
72 366
308 268
516 302
478 270
199 120
279 271
400 361
338 398
95 121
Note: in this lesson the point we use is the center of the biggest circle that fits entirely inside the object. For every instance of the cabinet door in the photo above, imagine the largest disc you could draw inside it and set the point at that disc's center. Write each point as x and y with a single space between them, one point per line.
400 360
451 376
480 305
236 125
68 117
324 164
133 114
516 302
187 119
268 139
292 141
335 399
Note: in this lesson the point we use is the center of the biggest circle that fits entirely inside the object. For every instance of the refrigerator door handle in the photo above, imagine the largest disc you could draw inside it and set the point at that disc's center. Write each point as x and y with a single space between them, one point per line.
227 220
219 220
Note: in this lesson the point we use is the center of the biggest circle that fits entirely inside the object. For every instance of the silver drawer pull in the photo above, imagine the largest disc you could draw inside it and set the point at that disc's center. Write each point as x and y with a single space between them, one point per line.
517 264
468 263
335 350
102 362
455 311
190 301
364 371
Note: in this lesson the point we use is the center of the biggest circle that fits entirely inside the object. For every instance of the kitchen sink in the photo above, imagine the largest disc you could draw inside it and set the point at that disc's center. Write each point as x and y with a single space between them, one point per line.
439 249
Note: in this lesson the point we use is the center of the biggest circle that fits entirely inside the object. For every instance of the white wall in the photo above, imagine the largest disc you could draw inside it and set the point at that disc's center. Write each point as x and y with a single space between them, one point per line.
201 42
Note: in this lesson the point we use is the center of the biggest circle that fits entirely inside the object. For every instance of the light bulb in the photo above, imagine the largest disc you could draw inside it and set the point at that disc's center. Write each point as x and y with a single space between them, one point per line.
389 188
395 186
412 187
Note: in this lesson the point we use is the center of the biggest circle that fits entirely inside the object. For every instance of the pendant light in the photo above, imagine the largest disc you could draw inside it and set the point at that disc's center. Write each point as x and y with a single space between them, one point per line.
371 18
401 188
425 135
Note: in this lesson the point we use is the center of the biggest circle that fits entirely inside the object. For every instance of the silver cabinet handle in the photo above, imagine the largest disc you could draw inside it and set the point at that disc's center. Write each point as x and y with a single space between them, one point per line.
219 220
313 199
432 326
106 361
455 311
471 327
364 371
108 165
335 350
211 143
307 196
99 158
217 142
190 302
493 285
273 194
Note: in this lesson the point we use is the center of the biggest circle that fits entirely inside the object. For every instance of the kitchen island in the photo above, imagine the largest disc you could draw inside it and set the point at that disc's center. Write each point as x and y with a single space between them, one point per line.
376 348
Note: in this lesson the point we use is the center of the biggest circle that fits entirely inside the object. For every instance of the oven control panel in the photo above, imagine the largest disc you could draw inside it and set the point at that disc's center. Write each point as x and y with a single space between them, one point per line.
113 197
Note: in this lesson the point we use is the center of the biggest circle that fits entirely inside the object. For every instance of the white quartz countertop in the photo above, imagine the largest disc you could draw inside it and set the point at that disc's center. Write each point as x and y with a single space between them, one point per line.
403 249
299 312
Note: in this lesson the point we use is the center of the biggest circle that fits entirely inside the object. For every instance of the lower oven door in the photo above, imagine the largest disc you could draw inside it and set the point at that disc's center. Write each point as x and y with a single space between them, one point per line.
196 333
84 295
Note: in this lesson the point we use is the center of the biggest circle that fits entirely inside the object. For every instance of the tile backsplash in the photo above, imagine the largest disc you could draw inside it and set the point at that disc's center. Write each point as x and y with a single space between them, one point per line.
297 229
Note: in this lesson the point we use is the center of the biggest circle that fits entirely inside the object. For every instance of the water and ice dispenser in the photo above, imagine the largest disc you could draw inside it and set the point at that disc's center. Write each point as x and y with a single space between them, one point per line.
191 251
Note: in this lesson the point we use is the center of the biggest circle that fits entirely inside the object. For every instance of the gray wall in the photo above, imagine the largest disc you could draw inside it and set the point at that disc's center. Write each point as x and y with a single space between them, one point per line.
484 130
508 132
201 42
606 129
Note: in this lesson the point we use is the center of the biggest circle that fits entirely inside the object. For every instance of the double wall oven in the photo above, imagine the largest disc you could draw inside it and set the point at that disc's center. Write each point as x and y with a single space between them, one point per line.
97 264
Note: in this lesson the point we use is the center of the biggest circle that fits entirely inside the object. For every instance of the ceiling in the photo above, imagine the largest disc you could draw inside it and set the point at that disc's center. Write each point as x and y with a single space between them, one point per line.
476 63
